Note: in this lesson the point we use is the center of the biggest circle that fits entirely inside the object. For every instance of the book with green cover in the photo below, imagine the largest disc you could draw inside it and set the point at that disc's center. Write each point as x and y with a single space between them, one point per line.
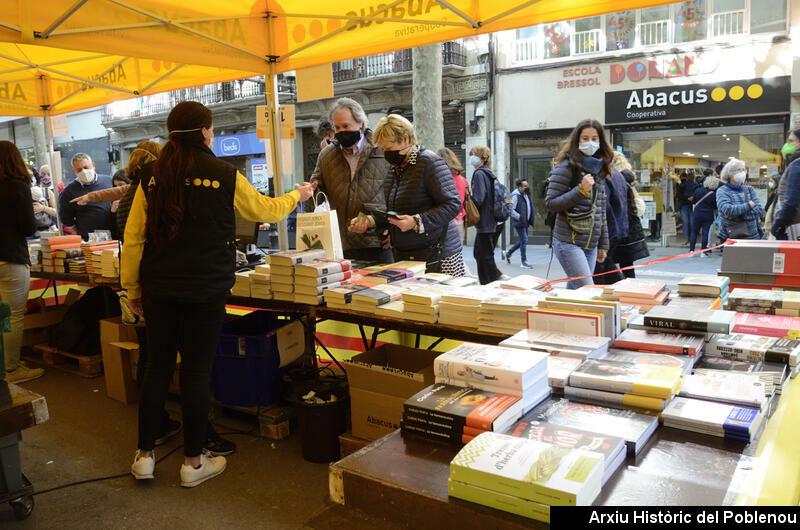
499 501
529 469
683 319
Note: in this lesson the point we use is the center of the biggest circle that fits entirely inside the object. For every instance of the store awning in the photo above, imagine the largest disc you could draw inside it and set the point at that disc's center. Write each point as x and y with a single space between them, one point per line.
65 55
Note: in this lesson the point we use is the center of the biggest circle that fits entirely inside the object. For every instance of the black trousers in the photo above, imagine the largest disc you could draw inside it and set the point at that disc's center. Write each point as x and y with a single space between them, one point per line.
483 251
191 327
141 335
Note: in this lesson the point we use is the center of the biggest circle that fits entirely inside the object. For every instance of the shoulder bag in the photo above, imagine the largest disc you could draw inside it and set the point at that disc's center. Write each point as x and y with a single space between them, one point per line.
472 216
741 229
582 222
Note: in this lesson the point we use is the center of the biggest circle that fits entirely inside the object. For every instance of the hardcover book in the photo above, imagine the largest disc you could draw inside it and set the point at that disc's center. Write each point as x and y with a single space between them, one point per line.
533 470
703 284
627 378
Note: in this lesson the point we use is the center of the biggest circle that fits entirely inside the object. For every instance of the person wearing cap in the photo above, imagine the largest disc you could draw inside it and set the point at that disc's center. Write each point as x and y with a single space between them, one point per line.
177 265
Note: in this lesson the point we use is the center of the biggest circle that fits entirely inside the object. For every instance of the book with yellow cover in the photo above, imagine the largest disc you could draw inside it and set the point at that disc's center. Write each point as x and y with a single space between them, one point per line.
614 399
648 380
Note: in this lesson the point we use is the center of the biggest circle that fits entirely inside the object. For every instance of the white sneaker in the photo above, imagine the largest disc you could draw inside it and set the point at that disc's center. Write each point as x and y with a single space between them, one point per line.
22 373
704 255
210 467
143 467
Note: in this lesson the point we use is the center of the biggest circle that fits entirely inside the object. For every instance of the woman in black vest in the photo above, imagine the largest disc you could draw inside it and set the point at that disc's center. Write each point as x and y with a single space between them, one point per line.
177 265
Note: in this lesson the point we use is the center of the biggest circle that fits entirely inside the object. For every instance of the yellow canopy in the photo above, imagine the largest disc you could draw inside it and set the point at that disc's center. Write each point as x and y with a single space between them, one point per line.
65 55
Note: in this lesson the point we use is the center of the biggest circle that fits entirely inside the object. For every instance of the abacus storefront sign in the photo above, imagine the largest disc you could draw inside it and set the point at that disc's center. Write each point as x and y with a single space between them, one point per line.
751 97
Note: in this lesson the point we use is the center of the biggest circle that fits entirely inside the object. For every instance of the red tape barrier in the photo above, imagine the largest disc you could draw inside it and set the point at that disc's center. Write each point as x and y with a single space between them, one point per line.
645 264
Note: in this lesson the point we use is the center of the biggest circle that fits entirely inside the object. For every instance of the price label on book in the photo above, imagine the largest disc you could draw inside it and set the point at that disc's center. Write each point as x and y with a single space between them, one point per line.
778 262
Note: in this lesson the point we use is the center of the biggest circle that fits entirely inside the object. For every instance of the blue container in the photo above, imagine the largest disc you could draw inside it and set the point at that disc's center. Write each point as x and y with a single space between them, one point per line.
245 371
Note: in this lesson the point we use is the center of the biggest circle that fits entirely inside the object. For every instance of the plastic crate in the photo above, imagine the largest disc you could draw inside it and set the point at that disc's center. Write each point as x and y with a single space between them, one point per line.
245 371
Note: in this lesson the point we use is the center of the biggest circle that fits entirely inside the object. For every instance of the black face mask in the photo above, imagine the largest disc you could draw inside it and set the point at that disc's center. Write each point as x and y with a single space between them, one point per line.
348 138
394 157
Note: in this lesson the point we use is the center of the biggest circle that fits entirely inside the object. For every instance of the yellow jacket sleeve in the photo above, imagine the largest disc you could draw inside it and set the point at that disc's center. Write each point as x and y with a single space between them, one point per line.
256 207
133 246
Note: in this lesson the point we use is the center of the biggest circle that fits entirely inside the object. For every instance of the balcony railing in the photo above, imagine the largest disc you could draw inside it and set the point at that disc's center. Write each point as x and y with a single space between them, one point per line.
585 42
524 51
728 23
392 63
654 33
209 95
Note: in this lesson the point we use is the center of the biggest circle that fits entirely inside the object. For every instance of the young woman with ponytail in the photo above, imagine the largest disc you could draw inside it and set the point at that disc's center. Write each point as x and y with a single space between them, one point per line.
178 265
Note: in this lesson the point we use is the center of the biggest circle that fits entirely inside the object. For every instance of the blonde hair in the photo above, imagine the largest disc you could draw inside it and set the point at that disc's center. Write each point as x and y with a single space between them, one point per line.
392 128
484 153
451 160
620 163
143 153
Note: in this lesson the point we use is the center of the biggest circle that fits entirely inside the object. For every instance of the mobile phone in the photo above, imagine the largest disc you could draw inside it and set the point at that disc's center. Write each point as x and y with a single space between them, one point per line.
390 214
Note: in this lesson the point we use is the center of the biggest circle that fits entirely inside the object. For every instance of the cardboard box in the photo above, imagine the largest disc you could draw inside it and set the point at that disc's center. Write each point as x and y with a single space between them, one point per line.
381 380
120 383
113 330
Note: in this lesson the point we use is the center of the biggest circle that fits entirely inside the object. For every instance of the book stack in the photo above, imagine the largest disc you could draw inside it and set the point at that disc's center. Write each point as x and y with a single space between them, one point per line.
93 254
341 297
524 476
389 275
704 285
51 244
772 375
456 414
634 427
681 320
754 348
64 255
367 300
526 282
422 303
260 285
75 265
35 254
612 448
725 387
558 370
312 279
692 303
281 266
764 301
762 264
609 312
624 383
462 307
569 322
394 309
715 419
109 263
766 325
684 363
497 369
241 284
660 342
635 291
559 344
507 313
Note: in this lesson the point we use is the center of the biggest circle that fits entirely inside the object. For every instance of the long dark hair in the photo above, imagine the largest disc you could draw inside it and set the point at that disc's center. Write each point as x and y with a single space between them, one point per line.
167 201
569 147
11 164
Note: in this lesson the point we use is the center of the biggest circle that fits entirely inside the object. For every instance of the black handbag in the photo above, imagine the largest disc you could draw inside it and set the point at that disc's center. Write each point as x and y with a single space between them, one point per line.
741 229
432 256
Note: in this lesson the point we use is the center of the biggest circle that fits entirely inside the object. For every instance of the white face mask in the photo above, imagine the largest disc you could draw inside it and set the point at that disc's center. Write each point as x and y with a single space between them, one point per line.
738 178
771 184
474 161
87 176
589 148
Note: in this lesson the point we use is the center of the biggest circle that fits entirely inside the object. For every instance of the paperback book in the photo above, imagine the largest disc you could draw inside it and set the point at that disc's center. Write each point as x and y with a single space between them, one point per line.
658 342
717 419
322 267
288 258
725 387
627 378
614 399
679 319
504 367
559 344
703 285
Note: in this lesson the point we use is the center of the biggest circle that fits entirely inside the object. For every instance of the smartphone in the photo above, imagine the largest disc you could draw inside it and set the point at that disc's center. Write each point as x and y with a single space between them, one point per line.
390 214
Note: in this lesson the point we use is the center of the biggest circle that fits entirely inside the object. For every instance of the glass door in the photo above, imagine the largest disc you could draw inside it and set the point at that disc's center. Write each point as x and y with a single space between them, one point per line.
536 170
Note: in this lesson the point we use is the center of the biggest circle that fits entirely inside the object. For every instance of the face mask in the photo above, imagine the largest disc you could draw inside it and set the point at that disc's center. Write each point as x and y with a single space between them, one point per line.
589 148
47 182
394 157
739 177
348 138
33 181
787 149
87 176
474 161
771 184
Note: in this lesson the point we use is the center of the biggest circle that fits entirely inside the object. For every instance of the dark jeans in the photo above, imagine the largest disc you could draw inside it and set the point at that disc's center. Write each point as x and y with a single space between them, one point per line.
686 218
484 256
699 223
521 244
191 327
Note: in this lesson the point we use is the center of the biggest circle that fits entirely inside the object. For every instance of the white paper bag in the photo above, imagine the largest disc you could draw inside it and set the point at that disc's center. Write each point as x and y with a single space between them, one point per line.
320 230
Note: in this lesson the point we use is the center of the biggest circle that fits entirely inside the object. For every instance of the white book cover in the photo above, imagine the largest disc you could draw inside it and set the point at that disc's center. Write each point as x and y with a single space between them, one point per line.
558 339
610 315
559 368
525 282
473 295
504 367
530 469
572 323
718 417
723 387
429 295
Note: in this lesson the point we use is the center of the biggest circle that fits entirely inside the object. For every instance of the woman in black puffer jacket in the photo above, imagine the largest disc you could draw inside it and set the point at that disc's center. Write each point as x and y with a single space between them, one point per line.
421 199
634 247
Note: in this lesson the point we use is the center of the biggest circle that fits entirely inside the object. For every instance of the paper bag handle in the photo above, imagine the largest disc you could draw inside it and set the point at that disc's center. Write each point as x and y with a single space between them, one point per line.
317 195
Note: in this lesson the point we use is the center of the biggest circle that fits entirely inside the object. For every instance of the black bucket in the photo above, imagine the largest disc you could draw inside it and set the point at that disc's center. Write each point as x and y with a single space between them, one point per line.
321 424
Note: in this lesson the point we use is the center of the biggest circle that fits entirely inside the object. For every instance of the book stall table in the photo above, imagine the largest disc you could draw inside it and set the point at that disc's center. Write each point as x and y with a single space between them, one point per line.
86 279
403 477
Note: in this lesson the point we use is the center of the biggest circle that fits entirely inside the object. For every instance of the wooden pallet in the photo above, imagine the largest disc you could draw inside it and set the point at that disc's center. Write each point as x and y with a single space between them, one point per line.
88 366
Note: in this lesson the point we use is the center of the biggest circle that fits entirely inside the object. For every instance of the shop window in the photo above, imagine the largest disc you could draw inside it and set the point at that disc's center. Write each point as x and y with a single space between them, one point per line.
654 26
767 16
587 36
556 40
691 21
620 30
728 18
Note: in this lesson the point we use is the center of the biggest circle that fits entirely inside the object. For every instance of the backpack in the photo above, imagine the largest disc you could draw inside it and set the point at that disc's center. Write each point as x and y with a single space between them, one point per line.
79 331
502 203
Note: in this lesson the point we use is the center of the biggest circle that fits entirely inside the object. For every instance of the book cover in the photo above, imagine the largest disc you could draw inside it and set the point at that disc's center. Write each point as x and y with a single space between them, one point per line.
558 370
725 387
614 399
427 295
703 284
295 257
537 471
415 267
471 296
499 501
459 406
658 342
636 427
680 319
322 267
378 295
461 281
557 343
684 363
718 417
693 303
344 293
386 276
648 380
768 325
572 323
526 282
638 288
504 367
766 298
610 319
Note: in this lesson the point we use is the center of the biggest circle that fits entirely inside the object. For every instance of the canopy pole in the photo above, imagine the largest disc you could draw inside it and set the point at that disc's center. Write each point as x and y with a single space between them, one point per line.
63 18
272 95
510 11
458 12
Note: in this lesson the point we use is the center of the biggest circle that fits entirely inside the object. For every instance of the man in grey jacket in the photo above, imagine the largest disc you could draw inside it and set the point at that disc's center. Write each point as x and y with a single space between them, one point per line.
350 171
